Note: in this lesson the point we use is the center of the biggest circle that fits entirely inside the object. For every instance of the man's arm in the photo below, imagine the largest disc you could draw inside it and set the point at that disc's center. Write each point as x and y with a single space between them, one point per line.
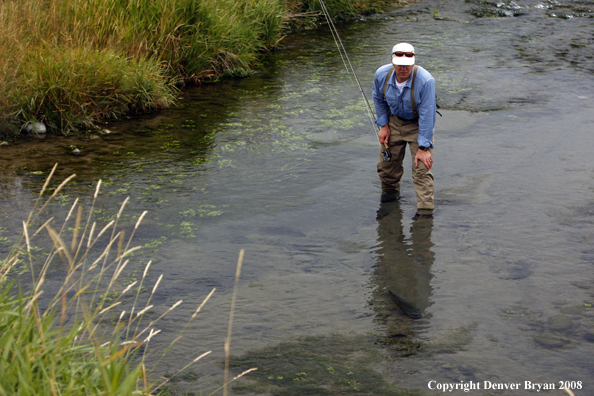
426 109
381 107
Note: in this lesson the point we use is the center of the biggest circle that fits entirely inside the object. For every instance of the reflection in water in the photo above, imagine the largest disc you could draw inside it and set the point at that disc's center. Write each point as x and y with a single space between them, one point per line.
403 271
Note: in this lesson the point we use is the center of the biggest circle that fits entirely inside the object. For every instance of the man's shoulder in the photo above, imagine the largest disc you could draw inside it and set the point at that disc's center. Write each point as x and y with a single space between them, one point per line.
383 70
424 75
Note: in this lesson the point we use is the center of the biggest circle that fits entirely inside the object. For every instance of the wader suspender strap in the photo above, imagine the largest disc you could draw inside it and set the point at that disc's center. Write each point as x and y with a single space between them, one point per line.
412 90
412 93
387 79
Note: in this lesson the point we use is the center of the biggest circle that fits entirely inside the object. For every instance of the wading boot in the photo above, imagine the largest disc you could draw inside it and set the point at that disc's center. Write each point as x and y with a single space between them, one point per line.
389 196
423 214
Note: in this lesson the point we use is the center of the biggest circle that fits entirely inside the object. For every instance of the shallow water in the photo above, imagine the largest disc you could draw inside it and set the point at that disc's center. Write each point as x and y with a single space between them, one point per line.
282 164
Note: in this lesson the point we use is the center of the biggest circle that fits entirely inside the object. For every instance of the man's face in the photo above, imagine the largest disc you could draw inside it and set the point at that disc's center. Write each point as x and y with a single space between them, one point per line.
403 72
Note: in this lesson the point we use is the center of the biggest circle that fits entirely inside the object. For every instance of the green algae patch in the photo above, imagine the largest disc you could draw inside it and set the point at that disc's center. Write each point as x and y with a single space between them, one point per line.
320 365
344 118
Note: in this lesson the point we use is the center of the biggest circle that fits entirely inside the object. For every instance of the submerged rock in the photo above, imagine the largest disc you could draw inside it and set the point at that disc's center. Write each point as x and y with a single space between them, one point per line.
574 310
551 340
560 323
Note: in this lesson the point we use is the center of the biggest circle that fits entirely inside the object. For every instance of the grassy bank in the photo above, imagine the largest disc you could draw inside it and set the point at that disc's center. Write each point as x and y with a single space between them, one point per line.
70 64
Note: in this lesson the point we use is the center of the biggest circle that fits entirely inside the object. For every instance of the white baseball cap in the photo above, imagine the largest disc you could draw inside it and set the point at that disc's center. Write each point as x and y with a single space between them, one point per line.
404 50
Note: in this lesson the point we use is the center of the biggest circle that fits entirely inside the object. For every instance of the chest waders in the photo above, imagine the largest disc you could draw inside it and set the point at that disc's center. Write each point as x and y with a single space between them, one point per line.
387 153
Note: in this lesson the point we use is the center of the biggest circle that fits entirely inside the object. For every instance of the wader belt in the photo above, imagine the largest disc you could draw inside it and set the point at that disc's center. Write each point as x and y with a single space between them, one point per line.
412 92
405 120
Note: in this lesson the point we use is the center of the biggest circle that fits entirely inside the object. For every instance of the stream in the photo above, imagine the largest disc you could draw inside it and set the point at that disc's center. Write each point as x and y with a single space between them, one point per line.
282 165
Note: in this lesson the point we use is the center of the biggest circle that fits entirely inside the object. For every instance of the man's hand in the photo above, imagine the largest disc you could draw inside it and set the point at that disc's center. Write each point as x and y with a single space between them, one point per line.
425 157
384 134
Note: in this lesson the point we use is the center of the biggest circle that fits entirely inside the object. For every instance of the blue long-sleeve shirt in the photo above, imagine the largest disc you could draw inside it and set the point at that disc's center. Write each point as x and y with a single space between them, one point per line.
399 104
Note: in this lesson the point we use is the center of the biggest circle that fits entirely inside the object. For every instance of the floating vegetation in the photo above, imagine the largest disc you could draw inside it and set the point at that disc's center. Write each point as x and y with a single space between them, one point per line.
345 118
170 145
187 230
209 210
226 163
189 124
453 85
188 213
155 243
3 239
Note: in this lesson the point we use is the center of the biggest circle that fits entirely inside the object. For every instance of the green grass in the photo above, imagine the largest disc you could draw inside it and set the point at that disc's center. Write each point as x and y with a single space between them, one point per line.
97 86
41 358
89 334
339 9
73 63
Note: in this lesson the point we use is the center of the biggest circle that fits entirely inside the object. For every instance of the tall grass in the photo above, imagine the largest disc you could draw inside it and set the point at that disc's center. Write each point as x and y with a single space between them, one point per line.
72 63
340 9
78 341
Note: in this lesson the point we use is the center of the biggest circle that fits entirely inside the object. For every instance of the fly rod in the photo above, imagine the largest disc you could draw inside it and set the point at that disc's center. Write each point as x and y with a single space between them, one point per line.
351 71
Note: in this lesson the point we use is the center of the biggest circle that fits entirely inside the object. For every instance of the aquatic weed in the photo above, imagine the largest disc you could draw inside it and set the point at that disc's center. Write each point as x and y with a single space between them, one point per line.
453 341
321 365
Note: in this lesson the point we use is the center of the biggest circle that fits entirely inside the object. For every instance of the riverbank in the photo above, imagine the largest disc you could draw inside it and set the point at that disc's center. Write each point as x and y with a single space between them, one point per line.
71 65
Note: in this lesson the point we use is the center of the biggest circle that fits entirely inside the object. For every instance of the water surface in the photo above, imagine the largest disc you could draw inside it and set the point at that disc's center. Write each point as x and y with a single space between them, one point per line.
282 164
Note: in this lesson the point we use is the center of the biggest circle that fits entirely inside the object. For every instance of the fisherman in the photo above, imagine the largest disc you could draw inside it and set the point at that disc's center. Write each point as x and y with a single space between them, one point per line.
401 121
